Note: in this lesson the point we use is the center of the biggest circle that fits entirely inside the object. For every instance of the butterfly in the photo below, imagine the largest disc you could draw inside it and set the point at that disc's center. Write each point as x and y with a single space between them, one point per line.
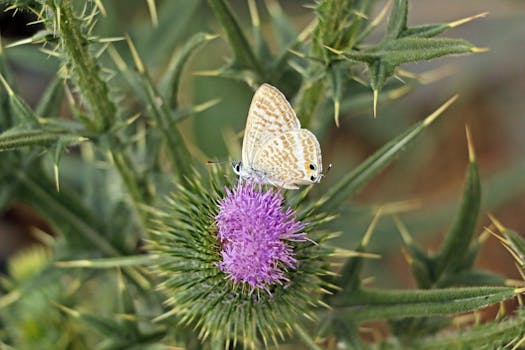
275 149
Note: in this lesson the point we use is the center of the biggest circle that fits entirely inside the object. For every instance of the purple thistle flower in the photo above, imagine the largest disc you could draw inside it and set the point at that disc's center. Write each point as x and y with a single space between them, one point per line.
253 230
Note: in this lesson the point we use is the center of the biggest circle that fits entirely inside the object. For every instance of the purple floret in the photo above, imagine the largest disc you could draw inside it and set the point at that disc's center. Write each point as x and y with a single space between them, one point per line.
253 230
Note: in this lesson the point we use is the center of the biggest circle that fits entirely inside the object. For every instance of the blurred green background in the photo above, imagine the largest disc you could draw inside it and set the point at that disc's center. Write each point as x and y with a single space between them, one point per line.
430 173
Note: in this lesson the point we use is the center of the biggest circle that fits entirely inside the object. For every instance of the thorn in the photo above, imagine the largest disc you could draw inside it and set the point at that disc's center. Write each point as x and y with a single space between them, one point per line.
405 235
470 145
101 8
337 52
297 53
407 256
519 343
117 59
6 85
519 290
485 234
428 120
467 19
336 112
382 14
206 105
210 37
498 237
376 92
133 118
497 223
371 228
479 49
153 13
135 54
254 14
57 182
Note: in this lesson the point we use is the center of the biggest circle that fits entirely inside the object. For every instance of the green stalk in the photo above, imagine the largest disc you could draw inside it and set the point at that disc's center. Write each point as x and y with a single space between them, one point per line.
95 91
84 67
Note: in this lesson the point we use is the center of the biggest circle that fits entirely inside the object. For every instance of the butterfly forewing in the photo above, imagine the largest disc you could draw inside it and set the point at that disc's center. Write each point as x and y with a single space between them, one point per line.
290 158
270 115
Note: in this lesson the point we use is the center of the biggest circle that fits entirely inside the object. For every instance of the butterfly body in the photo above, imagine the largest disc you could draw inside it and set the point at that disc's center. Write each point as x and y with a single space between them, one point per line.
275 149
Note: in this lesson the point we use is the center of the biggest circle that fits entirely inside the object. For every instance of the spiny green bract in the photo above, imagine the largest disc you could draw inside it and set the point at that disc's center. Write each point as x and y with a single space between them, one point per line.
200 295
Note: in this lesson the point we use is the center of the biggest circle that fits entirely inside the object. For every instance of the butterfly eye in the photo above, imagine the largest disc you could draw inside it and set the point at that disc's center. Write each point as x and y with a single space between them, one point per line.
312 178
312 166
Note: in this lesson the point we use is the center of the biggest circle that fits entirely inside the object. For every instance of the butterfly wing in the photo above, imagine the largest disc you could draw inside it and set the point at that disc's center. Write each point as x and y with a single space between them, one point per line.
290 159
270 114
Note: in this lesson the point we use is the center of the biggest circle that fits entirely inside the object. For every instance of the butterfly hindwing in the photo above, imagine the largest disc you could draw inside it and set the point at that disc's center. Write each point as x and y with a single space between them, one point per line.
270 114
290 159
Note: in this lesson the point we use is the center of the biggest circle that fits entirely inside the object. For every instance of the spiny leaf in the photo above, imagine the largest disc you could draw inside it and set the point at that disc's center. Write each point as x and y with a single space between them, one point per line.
371 304
490 335
14 139
451 254
383 59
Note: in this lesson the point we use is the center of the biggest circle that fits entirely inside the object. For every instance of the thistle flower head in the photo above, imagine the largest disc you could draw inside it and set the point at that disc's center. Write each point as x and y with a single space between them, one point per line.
254 231
235 264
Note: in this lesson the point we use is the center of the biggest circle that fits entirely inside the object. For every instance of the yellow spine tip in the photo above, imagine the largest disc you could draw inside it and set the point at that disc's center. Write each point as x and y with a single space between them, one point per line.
467 19
376 93
496 223
57 177
135 54
336 112
337 52
428 120
470 145
479 49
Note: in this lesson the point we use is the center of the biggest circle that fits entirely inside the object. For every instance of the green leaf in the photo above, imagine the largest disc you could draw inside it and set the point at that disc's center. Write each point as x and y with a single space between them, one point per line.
397 22
171 80
371 304
244 56
360 176
458 240
14 139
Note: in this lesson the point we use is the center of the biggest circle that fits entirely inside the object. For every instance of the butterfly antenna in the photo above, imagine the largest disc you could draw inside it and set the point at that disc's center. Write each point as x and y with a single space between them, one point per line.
328 169
211 162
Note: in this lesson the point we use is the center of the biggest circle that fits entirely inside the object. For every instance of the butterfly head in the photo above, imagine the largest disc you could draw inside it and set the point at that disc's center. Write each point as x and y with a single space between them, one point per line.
314 172
237 167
